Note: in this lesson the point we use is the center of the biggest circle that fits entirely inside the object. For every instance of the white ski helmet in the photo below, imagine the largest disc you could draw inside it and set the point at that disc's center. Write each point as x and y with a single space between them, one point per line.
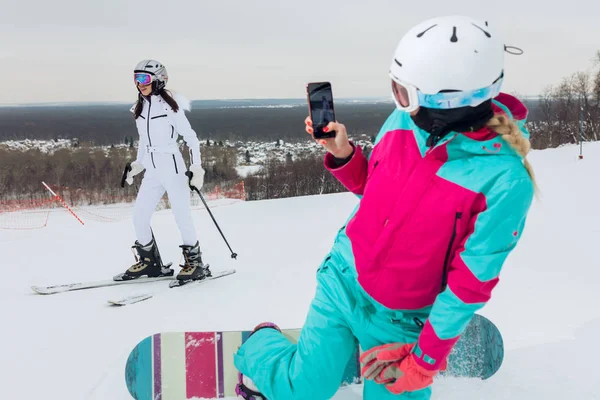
449 54
157 71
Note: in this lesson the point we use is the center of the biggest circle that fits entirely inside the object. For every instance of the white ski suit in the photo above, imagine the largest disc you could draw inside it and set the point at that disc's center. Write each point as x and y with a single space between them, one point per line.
158 127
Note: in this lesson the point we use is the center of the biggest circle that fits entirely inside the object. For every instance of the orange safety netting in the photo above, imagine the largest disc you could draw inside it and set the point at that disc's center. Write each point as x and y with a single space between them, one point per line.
26 214
34 214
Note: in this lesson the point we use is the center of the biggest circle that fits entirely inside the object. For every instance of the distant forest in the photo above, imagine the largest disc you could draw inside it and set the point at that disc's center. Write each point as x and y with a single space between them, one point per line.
111 124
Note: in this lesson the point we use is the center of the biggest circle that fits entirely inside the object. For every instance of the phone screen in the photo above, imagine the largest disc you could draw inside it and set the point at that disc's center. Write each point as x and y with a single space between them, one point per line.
320 102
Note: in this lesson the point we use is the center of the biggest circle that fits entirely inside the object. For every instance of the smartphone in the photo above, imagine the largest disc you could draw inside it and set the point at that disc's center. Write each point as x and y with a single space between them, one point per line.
320 108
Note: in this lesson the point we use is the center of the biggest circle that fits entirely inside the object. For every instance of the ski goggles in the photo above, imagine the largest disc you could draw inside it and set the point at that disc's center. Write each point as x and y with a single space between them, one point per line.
409 98
143 78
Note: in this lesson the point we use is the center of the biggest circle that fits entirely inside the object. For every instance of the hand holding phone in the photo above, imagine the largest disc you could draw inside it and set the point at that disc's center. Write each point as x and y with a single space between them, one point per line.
339 146
321 122
320 108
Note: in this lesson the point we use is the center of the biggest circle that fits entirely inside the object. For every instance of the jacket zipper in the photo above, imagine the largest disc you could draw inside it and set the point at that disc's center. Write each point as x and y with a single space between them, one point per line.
373 170
407 324
441 142
175 162
457 217
148 131
172 131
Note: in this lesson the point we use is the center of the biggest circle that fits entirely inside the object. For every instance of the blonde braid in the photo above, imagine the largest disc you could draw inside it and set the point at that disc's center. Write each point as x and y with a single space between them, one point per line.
511 134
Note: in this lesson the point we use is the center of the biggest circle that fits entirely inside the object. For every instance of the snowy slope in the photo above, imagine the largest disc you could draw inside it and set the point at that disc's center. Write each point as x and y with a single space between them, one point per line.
73 346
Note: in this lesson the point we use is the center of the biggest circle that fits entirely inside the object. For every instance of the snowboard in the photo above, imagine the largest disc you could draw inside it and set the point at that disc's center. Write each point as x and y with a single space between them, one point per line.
188 365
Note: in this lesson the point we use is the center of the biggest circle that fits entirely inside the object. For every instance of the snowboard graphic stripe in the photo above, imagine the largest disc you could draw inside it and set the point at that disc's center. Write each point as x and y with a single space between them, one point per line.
245 335
231 342
140 377
173 374
200 355
219 363
157 365
293 335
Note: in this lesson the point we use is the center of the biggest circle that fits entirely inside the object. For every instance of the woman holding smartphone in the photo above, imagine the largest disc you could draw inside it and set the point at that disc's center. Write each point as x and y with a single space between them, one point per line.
444 198
160 119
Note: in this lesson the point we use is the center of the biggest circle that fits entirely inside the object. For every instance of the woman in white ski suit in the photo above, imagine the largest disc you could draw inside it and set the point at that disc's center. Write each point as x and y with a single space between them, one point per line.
160 120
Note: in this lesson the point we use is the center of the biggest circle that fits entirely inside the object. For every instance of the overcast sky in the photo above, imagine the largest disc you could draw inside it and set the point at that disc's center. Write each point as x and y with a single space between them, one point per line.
81 50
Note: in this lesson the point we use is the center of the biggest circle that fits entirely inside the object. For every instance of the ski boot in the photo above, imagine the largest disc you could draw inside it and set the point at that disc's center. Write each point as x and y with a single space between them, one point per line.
148 263
245 388
193 269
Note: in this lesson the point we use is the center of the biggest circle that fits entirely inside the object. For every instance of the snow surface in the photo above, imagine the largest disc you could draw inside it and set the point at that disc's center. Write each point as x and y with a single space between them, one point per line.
74 346
45 146
244 170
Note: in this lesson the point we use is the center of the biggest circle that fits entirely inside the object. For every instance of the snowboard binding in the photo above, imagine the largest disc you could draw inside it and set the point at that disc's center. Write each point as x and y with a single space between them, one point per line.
245 388
242 390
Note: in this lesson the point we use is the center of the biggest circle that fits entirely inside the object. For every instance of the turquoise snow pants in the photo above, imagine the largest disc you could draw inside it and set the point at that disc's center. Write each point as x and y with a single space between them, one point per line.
340 314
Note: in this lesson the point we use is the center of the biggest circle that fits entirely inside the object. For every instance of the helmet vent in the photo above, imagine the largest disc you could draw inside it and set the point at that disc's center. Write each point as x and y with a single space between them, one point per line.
483 30
425 31
454 38
398 62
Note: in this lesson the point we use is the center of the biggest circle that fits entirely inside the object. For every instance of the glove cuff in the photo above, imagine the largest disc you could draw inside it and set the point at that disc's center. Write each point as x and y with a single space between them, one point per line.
412 362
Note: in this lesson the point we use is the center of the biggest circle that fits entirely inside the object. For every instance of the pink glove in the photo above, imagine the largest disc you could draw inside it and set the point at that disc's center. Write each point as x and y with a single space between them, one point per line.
394 366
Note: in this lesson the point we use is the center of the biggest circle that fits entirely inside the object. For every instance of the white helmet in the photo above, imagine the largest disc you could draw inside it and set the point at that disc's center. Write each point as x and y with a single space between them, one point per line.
452 54
157 71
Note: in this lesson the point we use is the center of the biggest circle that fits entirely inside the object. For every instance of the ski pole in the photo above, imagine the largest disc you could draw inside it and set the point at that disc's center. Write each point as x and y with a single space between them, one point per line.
125 171
189 175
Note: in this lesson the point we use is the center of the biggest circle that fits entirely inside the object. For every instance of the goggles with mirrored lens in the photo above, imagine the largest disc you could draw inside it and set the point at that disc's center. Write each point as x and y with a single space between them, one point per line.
142 78
409 98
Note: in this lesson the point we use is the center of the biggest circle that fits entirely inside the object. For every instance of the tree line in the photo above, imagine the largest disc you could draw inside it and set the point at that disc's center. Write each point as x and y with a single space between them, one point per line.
86 175
569 111
110 124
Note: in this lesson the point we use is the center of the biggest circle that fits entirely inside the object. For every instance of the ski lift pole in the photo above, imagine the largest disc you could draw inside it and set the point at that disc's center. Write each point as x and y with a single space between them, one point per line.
580 129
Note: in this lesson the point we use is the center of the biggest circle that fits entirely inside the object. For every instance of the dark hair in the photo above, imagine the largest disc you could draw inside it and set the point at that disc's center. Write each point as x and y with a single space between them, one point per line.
164 94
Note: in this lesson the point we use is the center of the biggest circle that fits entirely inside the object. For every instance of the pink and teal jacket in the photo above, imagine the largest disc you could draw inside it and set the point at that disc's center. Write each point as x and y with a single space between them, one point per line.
435 225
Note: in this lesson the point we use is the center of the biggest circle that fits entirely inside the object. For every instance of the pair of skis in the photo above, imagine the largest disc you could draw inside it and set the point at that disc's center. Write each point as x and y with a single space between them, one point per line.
174 283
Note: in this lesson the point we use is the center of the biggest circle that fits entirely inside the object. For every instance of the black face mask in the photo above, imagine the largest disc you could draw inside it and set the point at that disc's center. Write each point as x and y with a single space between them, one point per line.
438 123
